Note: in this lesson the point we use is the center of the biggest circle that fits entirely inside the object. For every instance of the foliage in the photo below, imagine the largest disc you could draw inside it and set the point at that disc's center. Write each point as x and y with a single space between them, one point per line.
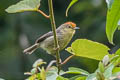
71 3
89 49
109 3
109 65
113 16
24 5
107 69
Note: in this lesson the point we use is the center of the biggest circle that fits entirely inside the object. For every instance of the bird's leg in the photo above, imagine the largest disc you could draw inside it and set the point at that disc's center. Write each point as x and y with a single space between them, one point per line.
60 61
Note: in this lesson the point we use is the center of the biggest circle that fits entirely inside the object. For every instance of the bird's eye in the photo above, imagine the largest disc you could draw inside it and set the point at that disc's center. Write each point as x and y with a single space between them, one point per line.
69 26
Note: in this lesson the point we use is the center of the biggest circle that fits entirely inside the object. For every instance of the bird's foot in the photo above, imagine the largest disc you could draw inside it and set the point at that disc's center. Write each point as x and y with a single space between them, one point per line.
60 61
57 48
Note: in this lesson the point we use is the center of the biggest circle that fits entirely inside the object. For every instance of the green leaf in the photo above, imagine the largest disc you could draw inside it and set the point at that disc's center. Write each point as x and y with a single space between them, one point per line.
89 49
117 52
71 3
81 78
109 3
61 78
100 76
74 77
69 49
108 71
116 69
91 77
43 74
114 58
73 70
39 76
117 61
101 67
33 71
113 16
24 5
35 76
52 73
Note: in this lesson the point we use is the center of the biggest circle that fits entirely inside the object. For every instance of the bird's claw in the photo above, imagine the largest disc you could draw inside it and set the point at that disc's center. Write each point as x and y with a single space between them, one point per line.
58 47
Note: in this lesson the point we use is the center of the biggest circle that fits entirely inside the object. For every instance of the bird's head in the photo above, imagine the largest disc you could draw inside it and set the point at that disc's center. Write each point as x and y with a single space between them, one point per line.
68 26
71 25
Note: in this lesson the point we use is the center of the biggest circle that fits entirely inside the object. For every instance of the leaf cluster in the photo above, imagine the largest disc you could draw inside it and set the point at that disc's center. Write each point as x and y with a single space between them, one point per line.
109 64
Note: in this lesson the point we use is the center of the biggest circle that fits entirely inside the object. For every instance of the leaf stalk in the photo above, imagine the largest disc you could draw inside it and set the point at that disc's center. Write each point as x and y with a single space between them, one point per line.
45 15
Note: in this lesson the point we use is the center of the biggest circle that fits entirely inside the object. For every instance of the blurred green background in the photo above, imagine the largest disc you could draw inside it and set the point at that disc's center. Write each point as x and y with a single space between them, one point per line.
20 30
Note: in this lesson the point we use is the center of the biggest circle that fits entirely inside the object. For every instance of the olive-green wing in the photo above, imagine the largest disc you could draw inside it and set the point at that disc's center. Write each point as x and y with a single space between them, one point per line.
42 38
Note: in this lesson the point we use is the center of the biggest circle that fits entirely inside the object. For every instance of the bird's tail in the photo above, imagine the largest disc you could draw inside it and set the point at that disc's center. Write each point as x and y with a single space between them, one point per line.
31 49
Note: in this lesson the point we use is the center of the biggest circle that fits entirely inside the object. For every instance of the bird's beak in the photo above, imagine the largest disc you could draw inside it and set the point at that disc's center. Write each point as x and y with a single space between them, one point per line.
76 28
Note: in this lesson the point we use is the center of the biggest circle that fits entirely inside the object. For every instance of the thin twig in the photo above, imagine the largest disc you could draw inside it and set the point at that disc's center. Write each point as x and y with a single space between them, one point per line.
41 12
67 59
50 64
54 32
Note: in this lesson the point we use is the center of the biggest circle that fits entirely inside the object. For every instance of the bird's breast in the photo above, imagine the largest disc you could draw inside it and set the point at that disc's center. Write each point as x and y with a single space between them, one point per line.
63 40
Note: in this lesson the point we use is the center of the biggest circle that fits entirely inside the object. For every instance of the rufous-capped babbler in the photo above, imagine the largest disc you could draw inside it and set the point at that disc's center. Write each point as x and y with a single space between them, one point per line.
64 34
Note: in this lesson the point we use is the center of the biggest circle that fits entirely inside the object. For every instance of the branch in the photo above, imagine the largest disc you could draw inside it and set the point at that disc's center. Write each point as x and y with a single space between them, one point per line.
54 32
41 12
67 59
50 64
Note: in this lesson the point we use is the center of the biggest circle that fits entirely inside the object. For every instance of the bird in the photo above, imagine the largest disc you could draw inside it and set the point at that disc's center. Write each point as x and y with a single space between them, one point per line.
64 34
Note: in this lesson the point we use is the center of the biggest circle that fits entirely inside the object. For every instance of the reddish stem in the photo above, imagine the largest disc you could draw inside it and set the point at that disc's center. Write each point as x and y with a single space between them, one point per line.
67 59
45 15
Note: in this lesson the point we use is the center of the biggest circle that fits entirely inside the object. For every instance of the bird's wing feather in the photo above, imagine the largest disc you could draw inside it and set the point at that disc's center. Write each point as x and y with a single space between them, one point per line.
42 38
